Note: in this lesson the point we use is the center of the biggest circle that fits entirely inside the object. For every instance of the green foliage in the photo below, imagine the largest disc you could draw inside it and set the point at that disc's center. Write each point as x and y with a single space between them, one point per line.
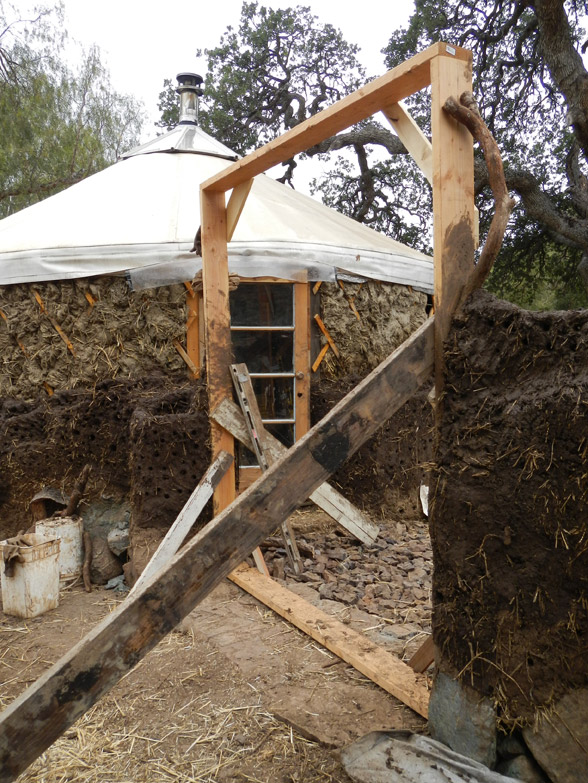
56 126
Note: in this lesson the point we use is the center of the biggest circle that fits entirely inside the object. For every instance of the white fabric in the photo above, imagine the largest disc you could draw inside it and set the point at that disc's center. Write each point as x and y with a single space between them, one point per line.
141 215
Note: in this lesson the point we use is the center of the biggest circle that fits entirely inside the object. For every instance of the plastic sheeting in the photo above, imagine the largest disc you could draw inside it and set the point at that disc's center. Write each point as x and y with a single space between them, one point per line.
401 757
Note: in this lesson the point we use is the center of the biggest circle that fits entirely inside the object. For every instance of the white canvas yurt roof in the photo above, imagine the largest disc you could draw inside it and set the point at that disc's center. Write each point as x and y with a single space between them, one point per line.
140 217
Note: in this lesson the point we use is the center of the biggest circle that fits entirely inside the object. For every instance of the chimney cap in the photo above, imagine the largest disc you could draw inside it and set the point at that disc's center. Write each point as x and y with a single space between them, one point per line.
190 81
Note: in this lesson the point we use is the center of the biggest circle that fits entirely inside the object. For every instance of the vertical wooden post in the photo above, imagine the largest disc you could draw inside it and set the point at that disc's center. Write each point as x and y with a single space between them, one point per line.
453 195
193 328
302 357
215 279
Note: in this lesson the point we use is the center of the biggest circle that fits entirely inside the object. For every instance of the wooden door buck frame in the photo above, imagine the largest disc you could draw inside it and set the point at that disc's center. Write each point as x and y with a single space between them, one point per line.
448 163
70 687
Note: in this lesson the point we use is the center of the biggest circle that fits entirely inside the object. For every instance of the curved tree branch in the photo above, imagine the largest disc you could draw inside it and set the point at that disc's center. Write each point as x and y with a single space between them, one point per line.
466 112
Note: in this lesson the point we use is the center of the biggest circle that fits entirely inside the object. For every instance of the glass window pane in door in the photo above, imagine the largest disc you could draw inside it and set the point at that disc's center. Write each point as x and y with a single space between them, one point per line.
262 304
264 352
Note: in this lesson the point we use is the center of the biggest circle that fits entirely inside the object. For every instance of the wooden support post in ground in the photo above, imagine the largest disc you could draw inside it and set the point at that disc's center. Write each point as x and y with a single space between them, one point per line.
453 196
185 520
36 718
192 331
215 279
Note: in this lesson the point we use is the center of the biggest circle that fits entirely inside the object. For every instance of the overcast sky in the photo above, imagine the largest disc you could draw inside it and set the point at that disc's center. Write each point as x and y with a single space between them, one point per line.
144 43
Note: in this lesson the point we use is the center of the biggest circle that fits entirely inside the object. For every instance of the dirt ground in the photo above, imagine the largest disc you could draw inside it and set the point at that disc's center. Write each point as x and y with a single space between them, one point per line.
234 694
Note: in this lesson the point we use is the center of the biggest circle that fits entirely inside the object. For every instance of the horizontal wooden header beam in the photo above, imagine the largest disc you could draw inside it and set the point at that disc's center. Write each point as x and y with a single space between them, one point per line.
404 80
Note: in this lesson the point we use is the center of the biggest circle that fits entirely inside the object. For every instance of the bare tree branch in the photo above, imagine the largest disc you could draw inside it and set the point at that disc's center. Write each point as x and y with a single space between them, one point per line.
467 112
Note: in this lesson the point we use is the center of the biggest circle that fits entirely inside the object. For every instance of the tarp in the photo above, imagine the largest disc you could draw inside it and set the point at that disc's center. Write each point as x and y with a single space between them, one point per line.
402 757
140 216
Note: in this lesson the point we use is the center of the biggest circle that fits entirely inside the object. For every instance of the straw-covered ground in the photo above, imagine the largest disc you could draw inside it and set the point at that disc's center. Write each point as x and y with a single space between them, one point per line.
234 694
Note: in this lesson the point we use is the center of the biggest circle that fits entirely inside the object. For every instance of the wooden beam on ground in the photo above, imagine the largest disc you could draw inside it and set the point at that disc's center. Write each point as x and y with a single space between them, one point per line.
185 520
383 668
424 656
235 206
69 688
228 415
403 80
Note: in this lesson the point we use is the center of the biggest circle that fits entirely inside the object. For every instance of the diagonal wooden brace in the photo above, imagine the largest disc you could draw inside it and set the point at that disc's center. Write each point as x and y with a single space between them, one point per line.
69 688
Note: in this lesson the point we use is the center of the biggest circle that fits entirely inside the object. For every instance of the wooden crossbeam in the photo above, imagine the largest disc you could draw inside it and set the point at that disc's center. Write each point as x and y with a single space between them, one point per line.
400 82
69 688
419 147
230 418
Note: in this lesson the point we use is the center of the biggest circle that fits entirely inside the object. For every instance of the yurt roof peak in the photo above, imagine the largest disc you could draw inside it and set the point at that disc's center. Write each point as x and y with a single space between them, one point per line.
140 216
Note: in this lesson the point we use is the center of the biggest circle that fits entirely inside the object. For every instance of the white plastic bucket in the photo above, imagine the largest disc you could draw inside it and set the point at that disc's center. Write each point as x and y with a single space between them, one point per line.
69 531
34 586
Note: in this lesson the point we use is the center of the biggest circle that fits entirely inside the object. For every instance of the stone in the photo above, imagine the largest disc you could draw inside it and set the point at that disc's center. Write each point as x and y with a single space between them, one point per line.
522 768
560 742
463 719
104 564
118 540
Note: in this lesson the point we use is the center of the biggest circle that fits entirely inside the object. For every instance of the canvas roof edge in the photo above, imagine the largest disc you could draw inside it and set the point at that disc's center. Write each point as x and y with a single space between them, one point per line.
405 79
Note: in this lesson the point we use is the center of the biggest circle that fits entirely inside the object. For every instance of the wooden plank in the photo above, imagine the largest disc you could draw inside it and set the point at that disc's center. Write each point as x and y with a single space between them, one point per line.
418 145
258 436
383 668
228 415
45 710
235 206
251 415
424 656
185 520
193 330
215 281
320 357
189 363
403 80
328 337
453 198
